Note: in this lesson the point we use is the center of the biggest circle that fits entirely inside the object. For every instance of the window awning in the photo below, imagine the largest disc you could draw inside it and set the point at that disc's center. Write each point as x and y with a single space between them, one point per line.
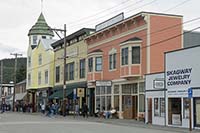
20 96
59 94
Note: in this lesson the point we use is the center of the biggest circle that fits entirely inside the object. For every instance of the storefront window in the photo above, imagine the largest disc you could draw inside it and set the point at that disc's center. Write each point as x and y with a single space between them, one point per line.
141 103
141 87
116 102
103 103
162 107
108 103
108 89
116 89
126 89
134 88
98 90
159 107
156 109
102 90
103 98
97 102
186 104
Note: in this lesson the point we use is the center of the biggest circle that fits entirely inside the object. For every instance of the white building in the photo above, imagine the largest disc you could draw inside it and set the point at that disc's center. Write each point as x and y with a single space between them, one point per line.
181 73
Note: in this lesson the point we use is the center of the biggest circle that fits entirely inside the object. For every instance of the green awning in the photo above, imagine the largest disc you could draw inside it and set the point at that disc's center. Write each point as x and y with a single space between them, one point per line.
59 94
72 86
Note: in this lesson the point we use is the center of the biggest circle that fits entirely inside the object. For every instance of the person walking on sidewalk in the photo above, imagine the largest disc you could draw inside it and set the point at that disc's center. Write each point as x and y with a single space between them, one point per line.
85 110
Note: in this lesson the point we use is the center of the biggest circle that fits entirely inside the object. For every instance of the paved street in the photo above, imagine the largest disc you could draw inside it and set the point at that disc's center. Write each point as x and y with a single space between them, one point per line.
34 123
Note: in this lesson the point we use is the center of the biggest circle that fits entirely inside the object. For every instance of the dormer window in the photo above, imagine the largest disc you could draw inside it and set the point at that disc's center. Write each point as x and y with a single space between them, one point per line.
34 39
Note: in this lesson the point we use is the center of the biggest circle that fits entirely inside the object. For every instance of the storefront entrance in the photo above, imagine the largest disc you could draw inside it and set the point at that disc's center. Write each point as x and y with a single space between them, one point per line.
197 112
174 111
130 107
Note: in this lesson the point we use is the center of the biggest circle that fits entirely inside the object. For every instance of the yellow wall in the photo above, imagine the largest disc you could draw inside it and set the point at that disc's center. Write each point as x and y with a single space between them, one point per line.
80 48
47 64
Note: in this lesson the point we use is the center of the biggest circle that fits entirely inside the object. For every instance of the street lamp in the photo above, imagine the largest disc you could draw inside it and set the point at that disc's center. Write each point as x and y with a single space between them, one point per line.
64 63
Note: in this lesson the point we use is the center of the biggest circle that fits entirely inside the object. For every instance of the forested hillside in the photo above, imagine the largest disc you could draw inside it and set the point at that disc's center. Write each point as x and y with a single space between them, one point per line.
8 70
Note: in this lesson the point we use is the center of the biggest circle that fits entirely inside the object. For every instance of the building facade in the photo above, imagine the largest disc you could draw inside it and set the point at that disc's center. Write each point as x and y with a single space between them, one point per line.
175 91
121 54
75 67
40 62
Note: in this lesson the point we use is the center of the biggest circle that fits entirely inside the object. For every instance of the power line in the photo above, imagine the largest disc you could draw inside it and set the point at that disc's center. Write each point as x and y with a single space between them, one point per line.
95 20
177 5
105 10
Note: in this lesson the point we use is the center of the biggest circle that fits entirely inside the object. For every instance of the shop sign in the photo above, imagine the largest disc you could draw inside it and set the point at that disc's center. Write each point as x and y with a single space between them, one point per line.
190 93
179 77
103 83
159 84
80 92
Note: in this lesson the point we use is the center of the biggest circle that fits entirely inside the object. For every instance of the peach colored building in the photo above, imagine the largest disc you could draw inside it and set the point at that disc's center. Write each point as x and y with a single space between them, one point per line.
121 54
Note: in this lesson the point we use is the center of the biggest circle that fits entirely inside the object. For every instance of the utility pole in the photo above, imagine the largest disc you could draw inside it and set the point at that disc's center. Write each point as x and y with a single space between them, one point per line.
64 63
15 77
1 77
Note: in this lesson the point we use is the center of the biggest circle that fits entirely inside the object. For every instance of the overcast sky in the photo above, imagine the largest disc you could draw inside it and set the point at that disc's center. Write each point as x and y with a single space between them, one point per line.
18 16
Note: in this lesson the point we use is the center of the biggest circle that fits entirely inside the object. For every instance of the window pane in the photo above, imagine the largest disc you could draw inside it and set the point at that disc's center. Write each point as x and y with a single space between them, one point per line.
126 89
136 55
108 90
82 68
97 90
141 103
110 62
57 74
102 88
114 61
46 77
98 63
97 103
162 107
108 103
186 104
141 86
116 89
103 103
156 108
134 88
116 102
90 64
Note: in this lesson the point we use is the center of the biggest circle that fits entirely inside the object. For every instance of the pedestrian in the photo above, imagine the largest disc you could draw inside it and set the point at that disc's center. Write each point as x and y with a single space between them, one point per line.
43 108
77 110
3 107
85 110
